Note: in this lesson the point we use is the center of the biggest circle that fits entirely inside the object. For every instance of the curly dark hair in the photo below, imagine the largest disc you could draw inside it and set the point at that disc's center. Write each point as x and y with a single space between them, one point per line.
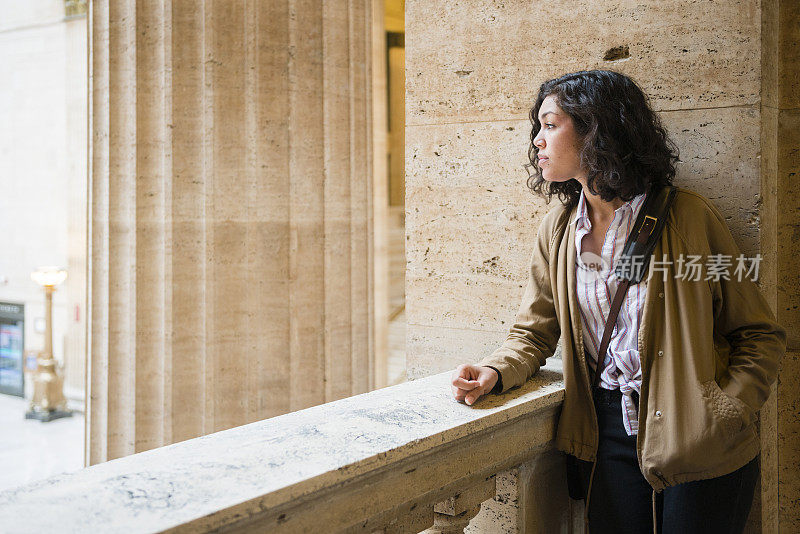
626 150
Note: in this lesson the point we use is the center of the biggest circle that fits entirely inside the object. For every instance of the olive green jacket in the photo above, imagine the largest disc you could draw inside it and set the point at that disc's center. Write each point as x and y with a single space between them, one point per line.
709 349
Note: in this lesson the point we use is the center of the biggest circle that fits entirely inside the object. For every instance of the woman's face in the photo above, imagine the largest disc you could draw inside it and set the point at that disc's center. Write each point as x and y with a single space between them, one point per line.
558 143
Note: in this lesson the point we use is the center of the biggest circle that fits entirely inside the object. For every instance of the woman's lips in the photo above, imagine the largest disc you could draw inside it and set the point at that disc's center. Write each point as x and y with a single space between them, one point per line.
543 161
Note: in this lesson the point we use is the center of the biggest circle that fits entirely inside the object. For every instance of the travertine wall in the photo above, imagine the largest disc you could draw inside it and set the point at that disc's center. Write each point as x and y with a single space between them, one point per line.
230 215
472 72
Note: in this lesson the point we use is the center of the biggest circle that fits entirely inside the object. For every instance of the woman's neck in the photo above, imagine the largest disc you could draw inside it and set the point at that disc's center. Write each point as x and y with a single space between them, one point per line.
600 210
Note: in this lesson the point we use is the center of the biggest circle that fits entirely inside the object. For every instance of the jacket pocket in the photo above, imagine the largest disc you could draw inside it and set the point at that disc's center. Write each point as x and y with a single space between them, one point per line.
726 409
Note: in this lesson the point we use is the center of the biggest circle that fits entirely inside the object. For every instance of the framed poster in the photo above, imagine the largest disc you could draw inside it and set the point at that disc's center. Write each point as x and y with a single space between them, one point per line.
12 332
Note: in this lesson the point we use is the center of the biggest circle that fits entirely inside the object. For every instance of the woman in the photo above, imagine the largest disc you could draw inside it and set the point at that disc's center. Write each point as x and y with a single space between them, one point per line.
667 441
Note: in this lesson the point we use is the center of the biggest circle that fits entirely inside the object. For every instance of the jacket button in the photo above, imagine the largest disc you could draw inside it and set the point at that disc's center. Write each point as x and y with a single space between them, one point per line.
661 353
658 413
661 295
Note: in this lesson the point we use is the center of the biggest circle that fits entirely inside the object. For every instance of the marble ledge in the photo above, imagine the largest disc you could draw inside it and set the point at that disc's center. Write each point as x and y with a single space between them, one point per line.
275 460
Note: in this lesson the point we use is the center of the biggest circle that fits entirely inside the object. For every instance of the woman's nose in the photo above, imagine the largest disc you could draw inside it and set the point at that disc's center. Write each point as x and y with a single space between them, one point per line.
538 141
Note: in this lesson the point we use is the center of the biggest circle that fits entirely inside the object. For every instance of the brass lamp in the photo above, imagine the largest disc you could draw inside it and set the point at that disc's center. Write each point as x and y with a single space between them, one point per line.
48 387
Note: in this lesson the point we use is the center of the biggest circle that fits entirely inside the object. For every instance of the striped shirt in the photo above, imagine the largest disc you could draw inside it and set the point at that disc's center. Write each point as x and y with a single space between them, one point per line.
596 286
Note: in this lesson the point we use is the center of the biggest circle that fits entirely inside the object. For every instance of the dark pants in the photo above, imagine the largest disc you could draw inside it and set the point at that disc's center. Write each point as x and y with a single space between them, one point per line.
621 499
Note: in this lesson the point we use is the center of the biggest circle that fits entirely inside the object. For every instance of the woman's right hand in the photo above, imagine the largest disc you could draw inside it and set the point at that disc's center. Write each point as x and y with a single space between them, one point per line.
469 382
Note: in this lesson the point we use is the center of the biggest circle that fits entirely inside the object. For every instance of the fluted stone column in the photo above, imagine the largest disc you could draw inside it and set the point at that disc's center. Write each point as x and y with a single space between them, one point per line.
230 233
780 233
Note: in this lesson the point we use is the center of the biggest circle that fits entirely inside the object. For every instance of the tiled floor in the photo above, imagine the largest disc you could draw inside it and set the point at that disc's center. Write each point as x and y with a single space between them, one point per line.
31 450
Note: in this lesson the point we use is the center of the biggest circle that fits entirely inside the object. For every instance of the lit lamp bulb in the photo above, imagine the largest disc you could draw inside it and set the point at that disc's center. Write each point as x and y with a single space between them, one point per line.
48 396
48 276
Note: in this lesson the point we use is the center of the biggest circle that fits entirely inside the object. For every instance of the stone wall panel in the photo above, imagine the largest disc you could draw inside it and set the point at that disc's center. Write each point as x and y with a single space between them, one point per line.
685 54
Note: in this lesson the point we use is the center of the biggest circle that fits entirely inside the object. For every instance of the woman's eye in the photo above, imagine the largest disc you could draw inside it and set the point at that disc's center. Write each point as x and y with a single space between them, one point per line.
548 124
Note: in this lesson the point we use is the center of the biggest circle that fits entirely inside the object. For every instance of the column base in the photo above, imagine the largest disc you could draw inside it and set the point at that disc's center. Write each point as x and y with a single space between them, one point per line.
49 415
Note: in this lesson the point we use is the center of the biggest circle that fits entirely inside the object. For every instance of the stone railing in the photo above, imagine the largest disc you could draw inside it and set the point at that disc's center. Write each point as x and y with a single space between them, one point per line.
400 459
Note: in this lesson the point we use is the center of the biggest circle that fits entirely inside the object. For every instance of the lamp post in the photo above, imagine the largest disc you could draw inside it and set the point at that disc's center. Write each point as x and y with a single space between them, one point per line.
48 396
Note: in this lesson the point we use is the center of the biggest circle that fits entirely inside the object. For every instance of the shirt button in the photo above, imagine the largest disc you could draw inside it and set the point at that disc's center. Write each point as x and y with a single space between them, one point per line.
661 353
658 413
